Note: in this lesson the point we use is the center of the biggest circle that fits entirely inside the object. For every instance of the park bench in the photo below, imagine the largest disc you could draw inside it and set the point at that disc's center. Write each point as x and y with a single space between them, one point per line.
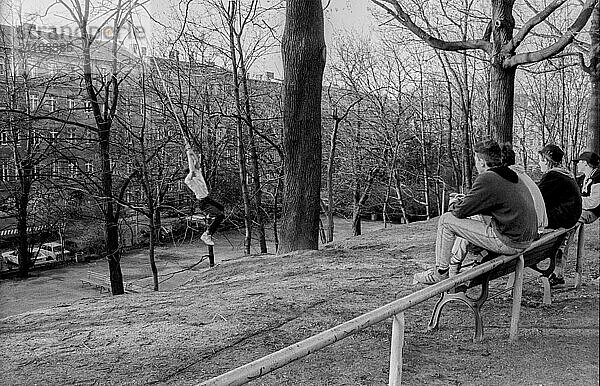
97 280
534 258
102 282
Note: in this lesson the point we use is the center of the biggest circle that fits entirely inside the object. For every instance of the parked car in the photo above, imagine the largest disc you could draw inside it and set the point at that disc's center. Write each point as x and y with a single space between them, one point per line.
11 257
55 250
40 257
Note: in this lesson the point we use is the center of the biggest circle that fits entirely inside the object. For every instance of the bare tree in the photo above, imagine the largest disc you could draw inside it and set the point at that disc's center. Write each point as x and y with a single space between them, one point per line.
103 96
500 44
304 55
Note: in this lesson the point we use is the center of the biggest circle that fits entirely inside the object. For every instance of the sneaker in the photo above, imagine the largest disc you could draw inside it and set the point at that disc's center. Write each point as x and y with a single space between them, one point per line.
431 276
555 280
454 269
208 240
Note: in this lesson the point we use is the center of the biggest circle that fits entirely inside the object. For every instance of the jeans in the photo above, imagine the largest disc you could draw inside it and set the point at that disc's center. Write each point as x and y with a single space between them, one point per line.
210 206
475 230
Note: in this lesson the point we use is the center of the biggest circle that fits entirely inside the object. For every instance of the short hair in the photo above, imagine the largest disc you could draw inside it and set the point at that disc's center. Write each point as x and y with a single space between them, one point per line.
508 154
489 151
553 154
592 159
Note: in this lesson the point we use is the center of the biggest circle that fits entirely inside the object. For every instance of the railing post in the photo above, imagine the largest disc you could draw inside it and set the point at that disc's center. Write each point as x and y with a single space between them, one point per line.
517 295
211 256
397 344
578 263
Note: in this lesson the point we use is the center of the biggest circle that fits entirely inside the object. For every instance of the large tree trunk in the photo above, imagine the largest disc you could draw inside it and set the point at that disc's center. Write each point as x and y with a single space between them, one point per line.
502 79
594 104
502 90
594 115
303 49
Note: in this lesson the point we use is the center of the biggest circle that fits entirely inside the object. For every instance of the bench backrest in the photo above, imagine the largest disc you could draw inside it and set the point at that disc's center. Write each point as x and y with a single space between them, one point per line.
543 248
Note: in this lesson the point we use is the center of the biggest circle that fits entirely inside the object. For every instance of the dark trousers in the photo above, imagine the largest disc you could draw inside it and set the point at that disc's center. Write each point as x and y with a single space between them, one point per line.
212 207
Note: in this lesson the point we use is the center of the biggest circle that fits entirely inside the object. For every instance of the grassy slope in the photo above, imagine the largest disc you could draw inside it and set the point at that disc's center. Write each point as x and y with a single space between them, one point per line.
250 307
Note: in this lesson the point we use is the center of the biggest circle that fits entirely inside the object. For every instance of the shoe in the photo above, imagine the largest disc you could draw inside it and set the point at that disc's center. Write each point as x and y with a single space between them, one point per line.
208 240
431 276
454 269
555 280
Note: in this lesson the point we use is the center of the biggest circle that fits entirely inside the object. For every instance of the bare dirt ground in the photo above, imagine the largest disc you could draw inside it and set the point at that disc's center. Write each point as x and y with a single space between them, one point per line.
205 321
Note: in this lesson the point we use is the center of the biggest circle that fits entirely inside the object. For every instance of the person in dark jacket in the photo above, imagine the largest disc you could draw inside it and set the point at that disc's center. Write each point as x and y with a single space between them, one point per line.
504 221
563 200
559 189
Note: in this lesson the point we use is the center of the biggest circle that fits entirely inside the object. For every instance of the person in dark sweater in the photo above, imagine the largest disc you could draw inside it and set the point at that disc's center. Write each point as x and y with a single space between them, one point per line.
563 201
559 189
504 221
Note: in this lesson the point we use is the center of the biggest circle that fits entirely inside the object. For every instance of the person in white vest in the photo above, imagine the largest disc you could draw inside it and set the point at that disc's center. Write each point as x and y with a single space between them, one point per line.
195 181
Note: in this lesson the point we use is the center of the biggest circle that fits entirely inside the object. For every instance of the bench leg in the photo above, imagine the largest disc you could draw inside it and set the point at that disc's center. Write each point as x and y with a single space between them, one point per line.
517 295
474 304
578 262
511 281
547 293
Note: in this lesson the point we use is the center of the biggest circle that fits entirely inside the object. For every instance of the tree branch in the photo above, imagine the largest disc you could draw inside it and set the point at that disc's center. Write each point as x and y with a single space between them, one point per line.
561 43
434 42
512 45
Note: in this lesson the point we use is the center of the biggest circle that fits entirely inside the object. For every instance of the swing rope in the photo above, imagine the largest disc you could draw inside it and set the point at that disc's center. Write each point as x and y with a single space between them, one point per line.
186 135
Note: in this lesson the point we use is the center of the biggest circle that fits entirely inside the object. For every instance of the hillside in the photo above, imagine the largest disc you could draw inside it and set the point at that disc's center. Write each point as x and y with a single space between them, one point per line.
244 308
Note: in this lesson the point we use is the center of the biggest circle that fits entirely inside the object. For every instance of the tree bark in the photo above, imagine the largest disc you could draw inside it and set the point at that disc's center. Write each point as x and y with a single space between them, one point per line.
24 257
502 80
303 49
257 194
330 171
241 152
594 104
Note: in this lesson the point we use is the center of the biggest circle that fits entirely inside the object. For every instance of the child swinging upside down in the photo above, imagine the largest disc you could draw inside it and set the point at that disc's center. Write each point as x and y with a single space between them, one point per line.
195 181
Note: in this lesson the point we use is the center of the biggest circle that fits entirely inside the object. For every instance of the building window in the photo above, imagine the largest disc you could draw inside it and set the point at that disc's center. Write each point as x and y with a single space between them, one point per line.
51 103
71 103
55 170
4 138
5 170
73 170
89 167
34 101
54 133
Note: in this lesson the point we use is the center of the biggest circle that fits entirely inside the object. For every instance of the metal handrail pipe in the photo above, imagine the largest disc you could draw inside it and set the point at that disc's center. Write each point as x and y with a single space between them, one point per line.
264 365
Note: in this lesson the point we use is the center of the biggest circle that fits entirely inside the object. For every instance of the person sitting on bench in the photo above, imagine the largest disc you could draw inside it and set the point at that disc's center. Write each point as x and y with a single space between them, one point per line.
508 221
589 163
461 246
195 181
562 198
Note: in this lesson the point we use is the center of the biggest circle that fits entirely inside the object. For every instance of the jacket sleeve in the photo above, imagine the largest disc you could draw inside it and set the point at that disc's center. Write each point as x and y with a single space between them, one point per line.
192 160
478 201
592 201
